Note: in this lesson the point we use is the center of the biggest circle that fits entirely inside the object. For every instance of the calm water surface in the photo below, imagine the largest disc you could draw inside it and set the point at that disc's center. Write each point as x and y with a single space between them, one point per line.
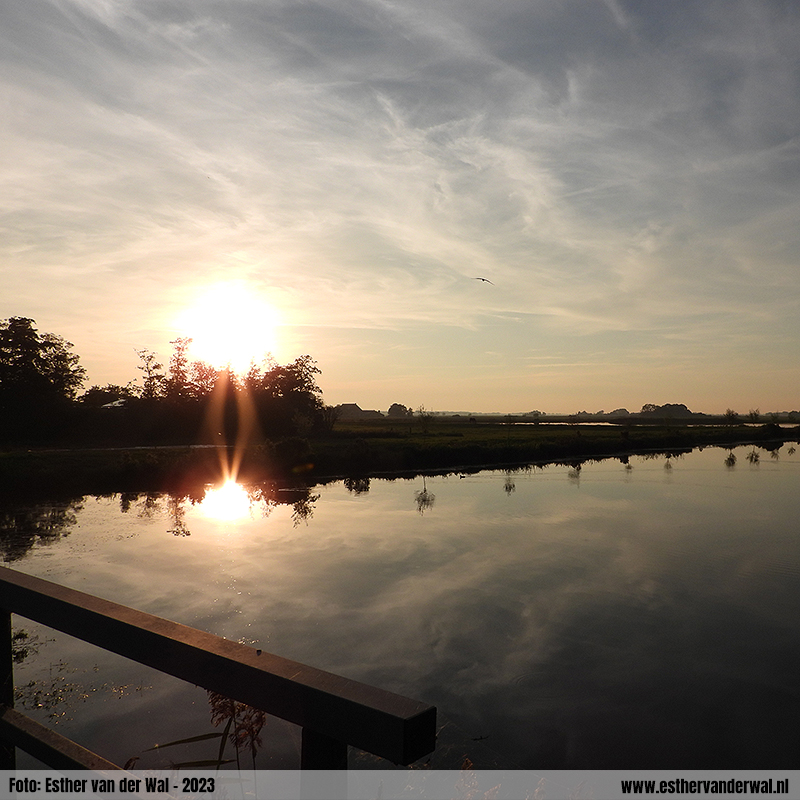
613 616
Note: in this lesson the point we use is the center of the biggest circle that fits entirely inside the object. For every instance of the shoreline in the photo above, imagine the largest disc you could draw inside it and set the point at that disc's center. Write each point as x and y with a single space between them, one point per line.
364 452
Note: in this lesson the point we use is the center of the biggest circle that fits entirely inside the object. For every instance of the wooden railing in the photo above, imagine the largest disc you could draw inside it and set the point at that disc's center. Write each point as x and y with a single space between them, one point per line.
333 711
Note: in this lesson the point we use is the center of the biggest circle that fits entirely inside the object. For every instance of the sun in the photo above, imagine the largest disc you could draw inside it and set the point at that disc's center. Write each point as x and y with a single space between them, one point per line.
230 325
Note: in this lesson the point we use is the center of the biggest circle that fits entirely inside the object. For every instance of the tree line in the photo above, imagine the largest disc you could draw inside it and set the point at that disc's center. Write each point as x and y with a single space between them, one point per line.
183 402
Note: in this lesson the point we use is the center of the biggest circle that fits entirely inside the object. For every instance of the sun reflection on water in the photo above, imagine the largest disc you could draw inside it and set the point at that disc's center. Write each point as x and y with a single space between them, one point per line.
227 503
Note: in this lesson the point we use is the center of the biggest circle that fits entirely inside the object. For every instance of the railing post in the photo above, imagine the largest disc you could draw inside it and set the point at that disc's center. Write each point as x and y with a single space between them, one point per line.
323 767
319 751
7 750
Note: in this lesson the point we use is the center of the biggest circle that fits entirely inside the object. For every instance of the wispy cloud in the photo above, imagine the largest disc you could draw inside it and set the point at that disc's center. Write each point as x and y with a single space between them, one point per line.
613 167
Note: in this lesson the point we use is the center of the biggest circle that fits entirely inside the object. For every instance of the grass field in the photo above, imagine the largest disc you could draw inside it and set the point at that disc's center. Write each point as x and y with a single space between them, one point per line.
364 447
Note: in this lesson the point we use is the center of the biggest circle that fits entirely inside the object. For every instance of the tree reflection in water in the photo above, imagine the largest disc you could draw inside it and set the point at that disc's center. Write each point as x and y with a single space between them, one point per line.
303 508
25 525
424 499
177 511
357 485
229 502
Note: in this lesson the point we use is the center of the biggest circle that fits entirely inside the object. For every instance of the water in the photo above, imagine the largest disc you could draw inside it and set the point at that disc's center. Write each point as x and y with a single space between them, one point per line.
613 616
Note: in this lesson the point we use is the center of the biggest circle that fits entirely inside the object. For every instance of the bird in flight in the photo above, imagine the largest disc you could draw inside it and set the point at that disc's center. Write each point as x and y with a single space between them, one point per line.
486 280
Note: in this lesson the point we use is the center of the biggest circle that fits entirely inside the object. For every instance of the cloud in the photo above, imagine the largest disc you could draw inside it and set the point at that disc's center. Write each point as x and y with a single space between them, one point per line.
610 165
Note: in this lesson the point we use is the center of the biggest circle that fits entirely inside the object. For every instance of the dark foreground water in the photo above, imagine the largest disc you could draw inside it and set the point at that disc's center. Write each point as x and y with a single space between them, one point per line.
614 616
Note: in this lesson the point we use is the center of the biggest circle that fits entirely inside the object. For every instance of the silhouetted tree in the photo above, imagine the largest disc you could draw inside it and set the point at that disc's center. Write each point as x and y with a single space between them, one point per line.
286 397
39 376
153 376
424 416
398 410
327 417
98 396
176 384
295 379
188 380
202 377
667 410
37 364
171 404
730 416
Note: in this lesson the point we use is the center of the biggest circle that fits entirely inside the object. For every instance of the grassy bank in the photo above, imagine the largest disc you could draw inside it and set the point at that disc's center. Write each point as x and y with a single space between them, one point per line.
374 446
369 447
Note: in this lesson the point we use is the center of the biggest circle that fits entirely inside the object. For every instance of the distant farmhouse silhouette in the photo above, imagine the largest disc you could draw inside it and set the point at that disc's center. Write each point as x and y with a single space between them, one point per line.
354 411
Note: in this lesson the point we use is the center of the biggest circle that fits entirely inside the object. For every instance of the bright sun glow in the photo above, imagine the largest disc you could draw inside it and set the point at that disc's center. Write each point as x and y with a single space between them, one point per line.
229 325
226 503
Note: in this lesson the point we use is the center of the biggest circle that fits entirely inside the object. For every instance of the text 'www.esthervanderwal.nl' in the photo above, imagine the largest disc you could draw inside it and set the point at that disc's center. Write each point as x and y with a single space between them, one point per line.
767 786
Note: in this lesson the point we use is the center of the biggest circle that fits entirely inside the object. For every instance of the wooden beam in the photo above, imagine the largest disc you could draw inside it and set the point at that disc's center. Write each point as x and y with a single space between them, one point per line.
383 723
48 746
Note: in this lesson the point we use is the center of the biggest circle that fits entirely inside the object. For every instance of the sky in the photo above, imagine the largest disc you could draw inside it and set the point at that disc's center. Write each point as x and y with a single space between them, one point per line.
626 174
